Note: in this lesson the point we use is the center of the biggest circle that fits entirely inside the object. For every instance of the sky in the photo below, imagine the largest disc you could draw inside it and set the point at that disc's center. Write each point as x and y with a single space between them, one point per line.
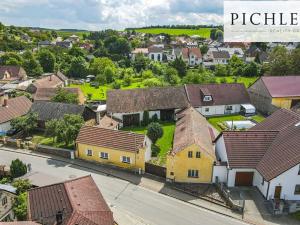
113 14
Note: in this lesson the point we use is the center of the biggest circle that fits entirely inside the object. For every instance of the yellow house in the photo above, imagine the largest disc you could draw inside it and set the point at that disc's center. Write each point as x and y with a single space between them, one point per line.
120 148
192 156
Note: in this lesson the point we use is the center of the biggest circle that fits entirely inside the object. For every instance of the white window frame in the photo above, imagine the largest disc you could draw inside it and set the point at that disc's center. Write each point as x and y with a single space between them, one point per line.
127 159
87 152
103 155
193 173
206 109
207 98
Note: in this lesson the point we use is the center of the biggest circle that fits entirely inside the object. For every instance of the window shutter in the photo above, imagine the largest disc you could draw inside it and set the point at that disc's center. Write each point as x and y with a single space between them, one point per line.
121 159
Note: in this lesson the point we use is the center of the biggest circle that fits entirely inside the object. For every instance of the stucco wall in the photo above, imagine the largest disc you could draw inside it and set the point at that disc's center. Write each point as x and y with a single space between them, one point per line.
221 153
288 180
219 110
179 164
137 160
221 173
4 127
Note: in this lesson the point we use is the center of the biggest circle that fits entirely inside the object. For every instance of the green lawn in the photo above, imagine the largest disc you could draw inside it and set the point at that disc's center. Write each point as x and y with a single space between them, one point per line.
203 32
246 80
220 119
66 34
100 93
164 144
40 138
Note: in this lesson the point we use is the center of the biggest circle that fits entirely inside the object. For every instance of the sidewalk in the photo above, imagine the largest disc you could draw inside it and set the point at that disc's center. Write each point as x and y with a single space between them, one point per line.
147 181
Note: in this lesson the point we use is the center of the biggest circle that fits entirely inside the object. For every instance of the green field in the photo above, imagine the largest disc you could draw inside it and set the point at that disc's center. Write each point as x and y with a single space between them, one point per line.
246 80
100 92
66 34
203 32
164 144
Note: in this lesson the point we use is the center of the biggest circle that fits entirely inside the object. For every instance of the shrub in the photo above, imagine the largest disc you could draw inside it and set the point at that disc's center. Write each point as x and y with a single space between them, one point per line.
154 132
18 168
146 118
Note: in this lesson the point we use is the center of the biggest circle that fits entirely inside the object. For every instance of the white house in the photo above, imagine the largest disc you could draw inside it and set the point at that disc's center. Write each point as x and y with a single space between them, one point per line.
7 199
143 51
155 53
220 57
217 99
192 56
12 108
266 156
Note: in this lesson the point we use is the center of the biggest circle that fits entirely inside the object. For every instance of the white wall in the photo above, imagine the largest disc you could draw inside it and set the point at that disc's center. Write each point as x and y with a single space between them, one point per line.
288 181
148 149
258 182
218 110
156 55
5 127
221 173
221 150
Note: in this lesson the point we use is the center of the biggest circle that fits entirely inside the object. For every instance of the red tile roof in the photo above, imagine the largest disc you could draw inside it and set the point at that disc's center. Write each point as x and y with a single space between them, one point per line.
16 72
49 81
186 52
19 223
80 201
108 138
282 86
272 146
222 94
192 128
16 107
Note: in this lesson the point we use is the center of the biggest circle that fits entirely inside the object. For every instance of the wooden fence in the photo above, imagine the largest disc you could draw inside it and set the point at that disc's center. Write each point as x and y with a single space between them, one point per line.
155 170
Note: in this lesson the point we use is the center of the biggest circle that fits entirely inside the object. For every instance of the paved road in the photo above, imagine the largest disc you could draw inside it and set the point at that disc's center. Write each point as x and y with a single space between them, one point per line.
131 204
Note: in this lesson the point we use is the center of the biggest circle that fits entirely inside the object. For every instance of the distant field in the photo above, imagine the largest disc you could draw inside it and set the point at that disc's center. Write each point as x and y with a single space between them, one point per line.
203 32
69 33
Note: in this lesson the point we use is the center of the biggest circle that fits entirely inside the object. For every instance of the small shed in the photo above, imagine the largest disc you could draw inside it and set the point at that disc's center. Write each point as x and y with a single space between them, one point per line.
248 109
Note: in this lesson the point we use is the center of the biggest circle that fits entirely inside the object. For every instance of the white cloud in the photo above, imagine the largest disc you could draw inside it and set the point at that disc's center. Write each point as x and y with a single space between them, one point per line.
116 14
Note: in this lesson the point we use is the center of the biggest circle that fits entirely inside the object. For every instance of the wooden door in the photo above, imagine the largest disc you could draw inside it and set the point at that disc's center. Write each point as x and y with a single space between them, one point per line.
277 192
244 178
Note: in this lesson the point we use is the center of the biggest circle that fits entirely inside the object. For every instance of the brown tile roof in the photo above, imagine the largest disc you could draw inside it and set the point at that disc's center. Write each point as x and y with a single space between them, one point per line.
222 94
142 99
16 72
108 138
187 51
16 107
272 146
49 81
154 49
19 223
80 201
221 54
108 122
45 94
282 86
192 128
246 148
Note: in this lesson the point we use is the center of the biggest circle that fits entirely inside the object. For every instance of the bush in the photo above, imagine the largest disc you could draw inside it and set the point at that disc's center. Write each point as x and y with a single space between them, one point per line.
146 118
18 168
22 185
20 207
116 85
154 132
154 118
155 150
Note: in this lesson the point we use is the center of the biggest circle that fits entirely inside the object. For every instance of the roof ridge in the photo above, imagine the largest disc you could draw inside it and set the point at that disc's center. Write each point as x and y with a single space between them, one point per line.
115 131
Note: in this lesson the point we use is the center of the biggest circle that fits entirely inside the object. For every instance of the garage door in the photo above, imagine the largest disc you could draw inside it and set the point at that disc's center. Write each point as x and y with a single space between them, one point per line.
243 178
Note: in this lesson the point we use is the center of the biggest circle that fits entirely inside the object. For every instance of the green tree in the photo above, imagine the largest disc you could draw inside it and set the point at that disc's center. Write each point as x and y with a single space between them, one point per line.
146 118
20 207
101 79
68 128
154 132
196 77
62 95
236 66
180 66
280 64
22 185
78 67
171 76
140 62
146 74
31 65
251 70
221 70
109 73
47 60
25 123
17 168
127 80
51 129
204 49
152 82
295 61
98 65
11 58
76 52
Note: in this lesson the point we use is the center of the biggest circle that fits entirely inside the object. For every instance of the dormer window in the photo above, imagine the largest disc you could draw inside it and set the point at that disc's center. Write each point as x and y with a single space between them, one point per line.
207 98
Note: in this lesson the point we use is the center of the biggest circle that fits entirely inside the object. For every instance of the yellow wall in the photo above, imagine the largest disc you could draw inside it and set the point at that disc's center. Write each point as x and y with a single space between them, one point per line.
179 164
137 159
284 102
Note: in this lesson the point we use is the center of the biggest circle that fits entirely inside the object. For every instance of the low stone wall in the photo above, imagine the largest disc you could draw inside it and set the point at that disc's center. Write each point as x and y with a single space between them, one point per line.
66 153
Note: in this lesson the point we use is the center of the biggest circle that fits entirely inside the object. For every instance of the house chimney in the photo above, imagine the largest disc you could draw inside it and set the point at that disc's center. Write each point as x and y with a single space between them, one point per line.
59 218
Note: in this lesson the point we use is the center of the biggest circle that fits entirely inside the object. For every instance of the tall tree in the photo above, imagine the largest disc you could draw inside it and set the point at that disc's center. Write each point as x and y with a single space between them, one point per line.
180 66
78 67
47 60
31 65
25 123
